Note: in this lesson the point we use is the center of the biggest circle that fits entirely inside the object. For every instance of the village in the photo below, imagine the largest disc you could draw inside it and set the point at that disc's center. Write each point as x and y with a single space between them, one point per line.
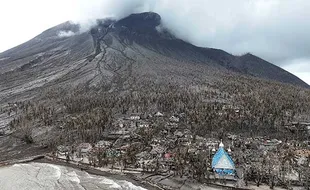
160 144
230 145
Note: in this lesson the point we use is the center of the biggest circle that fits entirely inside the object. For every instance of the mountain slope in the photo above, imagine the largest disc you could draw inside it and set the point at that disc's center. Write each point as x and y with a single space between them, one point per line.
65 87
116 55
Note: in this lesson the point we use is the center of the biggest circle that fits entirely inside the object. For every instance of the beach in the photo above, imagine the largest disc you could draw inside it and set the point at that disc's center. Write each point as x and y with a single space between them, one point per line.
39 176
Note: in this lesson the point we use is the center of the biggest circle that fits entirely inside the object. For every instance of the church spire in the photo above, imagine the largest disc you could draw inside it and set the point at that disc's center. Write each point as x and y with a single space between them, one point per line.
221 144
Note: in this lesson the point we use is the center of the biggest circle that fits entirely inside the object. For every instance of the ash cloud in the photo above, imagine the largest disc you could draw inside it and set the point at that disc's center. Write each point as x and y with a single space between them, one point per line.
276 30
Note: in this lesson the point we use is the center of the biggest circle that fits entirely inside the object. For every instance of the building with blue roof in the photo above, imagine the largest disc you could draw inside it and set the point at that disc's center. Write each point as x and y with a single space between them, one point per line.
222 163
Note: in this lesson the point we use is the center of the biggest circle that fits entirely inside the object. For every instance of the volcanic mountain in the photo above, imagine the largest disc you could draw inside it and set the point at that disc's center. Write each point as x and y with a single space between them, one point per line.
117 55
67 86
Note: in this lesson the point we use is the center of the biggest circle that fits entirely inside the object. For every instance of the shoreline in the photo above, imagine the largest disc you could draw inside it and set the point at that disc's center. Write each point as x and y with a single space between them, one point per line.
93 171
22 161
90 170
130 176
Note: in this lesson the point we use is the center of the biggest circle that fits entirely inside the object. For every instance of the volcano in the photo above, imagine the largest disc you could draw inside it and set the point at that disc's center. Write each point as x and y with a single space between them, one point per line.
117 55
133 76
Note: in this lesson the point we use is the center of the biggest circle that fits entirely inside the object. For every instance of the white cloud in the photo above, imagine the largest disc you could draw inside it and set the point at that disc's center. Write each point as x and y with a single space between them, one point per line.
64 34
299 67
305 76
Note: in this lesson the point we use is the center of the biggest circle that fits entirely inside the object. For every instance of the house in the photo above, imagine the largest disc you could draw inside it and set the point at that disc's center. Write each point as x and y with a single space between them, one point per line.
174 119
120 132
159 114
157 151
143 124
112 153
222 163
298 126
84 148
124 148
271 143
289 113
171 125
63 150
168 156
135 117
103 144
232 137
227 107
193 150
178 134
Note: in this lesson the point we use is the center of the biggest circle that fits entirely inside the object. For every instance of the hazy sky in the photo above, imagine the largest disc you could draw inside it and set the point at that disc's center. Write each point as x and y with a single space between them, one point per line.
276 30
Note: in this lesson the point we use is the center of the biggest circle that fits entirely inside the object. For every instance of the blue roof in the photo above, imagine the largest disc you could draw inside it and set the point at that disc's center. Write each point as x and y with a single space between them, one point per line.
222 162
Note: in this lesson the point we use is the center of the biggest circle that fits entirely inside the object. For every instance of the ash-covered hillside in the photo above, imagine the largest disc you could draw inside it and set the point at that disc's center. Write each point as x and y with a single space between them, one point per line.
115 55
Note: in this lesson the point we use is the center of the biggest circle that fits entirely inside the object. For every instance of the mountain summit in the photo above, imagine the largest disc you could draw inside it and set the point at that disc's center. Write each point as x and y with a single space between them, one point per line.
147 20
119 54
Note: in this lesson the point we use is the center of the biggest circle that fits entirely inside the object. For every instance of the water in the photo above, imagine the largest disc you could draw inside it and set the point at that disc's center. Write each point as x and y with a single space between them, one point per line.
39 176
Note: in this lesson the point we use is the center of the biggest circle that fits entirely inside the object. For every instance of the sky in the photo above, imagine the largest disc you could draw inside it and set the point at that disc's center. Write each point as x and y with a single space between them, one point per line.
275 30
